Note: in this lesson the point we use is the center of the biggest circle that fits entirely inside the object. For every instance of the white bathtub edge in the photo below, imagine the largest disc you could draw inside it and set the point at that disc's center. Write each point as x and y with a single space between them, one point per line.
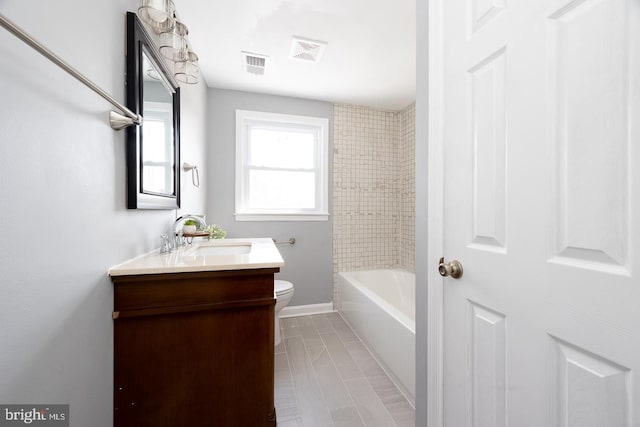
381 330
306 310
387 370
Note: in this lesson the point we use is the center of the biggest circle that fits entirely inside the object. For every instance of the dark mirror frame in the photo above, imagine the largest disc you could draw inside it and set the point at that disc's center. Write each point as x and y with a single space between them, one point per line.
138 41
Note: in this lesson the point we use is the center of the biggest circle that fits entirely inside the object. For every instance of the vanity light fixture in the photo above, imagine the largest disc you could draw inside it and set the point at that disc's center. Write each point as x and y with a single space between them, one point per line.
173 42
162 17
187 71
158 14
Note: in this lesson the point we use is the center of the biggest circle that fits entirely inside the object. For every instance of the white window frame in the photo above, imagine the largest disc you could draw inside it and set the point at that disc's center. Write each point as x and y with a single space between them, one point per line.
244 120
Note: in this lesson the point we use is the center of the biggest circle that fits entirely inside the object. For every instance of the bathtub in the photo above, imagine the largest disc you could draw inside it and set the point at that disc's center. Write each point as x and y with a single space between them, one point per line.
379 305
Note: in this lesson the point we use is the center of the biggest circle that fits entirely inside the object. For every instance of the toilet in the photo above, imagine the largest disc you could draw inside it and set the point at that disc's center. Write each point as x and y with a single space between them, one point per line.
283 291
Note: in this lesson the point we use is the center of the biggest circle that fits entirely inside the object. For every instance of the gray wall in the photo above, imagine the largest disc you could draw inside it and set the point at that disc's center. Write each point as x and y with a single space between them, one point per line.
63 221
308 263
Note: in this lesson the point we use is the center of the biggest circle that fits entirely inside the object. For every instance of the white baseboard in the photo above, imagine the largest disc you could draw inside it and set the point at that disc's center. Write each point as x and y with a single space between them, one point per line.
305 310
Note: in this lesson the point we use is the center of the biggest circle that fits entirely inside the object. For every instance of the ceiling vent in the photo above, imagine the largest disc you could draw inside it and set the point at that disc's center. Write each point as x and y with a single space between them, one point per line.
306 49
254 63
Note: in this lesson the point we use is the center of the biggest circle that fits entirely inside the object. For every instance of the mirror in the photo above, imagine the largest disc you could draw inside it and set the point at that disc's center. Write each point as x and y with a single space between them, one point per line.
153 149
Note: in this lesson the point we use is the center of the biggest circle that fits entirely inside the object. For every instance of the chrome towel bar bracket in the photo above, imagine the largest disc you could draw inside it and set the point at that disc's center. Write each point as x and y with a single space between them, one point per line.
117 120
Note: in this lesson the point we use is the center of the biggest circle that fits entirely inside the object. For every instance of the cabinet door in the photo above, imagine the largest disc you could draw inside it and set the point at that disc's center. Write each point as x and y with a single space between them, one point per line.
210 368
209 364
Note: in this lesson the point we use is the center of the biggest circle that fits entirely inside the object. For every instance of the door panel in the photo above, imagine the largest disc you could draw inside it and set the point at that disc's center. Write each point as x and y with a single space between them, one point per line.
589 105
483 12
541 110
488 366
488 117
590 391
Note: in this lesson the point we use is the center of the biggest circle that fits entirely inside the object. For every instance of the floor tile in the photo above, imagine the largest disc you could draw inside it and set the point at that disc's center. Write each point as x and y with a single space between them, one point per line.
322 324
342 329
314 412
341 358
297 422
385 389
306 327
346 417
285 394
368 365
301 368
326 377
402 413
311 403
333 389
289 327
368 403
308 331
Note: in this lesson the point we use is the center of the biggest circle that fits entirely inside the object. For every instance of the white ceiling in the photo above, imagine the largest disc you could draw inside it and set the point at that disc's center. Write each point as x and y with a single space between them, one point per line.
370 58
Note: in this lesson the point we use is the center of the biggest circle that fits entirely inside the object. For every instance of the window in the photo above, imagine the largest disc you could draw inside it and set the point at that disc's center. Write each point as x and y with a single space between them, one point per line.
281 167
157 171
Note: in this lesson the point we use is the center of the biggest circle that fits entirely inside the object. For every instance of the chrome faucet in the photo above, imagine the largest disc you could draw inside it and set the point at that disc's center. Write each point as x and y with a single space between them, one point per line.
200 219
174 238
175 232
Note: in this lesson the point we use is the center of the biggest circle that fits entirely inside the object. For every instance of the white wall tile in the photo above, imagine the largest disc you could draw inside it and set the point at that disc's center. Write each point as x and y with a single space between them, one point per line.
374 188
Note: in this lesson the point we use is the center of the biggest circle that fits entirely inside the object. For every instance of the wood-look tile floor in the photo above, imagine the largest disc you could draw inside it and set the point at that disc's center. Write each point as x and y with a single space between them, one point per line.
325 377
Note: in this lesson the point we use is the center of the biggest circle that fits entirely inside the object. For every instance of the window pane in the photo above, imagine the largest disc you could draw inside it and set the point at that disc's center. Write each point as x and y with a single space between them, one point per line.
282 149
157 179
154 148
281 190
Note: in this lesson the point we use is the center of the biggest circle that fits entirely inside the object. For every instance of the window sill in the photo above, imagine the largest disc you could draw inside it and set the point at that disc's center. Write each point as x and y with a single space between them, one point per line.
281 217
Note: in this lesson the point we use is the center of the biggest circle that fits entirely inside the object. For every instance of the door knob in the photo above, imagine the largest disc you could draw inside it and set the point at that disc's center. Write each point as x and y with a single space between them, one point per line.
453 268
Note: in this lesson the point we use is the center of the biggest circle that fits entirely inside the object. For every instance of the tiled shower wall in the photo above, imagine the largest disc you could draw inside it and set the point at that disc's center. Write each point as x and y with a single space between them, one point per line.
407 188
373 188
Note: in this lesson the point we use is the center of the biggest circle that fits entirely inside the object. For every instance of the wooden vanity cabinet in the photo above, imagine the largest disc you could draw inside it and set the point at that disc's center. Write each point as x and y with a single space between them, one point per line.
194 349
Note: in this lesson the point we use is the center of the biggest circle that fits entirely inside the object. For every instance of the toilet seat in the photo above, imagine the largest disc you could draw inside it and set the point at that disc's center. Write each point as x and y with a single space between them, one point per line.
282 287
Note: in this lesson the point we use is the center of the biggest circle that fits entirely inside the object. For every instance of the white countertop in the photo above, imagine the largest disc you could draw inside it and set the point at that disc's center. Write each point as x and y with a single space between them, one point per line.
261 253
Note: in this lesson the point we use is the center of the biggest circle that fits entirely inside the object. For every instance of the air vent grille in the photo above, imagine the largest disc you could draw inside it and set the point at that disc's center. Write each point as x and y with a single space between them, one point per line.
306 49
254 63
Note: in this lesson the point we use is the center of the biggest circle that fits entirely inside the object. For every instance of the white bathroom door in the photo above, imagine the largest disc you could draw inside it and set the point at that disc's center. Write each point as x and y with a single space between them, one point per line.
541 203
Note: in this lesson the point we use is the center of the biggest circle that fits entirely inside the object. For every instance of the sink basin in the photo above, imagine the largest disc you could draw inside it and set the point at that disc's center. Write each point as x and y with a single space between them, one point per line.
220 248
